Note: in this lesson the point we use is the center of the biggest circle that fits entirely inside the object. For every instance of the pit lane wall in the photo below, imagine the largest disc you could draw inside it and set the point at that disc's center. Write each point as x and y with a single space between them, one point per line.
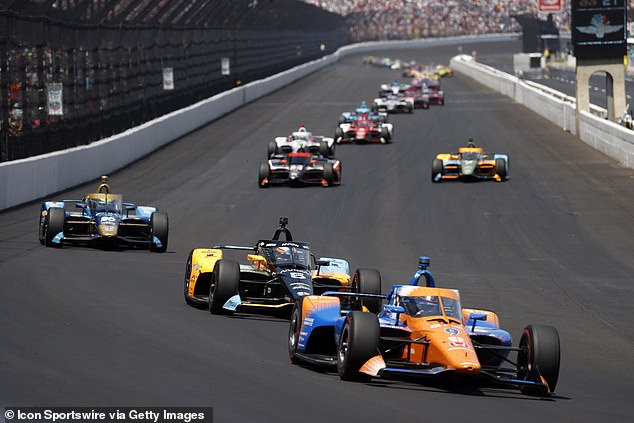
25 180
608 137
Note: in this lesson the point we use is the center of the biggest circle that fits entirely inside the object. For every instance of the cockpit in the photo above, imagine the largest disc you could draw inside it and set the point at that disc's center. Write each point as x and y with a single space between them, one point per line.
431 305
283 255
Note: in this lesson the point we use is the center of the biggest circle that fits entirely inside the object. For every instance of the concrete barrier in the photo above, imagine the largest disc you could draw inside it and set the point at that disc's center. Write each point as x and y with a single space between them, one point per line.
608 137
28 179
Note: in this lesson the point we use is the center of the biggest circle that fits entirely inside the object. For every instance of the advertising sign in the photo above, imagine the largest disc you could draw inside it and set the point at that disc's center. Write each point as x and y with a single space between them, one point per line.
599 28
54 92
225 66
168 78
549 5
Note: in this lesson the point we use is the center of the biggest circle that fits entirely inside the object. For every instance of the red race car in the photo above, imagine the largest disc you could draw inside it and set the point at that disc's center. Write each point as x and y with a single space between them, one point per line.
364 130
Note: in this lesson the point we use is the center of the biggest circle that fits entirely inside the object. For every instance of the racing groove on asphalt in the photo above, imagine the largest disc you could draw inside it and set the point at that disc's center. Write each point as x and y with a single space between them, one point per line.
84 327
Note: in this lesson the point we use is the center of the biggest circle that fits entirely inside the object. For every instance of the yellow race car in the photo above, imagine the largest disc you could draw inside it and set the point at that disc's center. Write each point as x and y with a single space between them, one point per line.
470 163
276 273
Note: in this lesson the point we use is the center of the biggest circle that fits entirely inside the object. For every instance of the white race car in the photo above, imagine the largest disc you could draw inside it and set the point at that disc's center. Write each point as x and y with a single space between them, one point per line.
302 141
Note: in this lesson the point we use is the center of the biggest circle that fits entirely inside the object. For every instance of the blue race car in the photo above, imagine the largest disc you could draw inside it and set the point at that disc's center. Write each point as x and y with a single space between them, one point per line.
103 219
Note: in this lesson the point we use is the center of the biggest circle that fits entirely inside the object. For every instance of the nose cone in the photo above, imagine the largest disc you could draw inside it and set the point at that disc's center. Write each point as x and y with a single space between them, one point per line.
468 166
107 230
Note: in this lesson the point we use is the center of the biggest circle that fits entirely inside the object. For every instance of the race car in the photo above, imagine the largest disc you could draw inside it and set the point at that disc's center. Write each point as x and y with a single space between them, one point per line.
420 96
277 273
443 71
470 163
393 87
420 332
304 141
362 112
104 220
298 169
436 94
364 130
393 103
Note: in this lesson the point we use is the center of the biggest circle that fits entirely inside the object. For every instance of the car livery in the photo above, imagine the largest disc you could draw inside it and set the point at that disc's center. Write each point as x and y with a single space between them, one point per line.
470 163
299 169
302 140
103 220
421 331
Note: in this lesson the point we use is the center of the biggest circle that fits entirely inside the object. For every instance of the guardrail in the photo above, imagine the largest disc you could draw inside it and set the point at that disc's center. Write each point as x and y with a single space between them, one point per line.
32 178
608 137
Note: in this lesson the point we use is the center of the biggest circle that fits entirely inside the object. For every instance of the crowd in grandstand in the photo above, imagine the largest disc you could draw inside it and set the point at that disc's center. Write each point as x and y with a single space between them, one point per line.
391 19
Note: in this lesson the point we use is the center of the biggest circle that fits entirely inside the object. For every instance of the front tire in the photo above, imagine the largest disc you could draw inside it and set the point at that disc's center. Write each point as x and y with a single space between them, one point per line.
539 356
359 342
437 171
294 329
329 174
224 285
54 224
367 281
160 230
263 175
188 275
500 168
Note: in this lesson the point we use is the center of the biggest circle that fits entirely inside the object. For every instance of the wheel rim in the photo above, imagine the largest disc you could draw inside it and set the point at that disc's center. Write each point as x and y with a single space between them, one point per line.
212 290
293 333
188 270
343 348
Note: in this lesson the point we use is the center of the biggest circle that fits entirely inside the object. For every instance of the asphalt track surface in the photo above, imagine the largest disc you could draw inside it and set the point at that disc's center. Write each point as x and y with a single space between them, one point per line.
553 245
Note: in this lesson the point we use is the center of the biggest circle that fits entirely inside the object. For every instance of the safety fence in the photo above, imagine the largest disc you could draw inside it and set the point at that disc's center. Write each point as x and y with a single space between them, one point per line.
71 76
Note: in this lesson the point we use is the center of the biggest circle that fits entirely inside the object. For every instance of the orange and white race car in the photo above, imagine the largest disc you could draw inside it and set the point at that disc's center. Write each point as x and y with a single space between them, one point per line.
470 163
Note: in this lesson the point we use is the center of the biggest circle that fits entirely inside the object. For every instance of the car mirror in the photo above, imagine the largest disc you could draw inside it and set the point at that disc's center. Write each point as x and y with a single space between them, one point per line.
478 316
322 262
395 309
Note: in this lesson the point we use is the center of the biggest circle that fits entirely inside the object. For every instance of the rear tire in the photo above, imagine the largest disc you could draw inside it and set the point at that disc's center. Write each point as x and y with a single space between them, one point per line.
500 168
385 134
55 219
272 148
263 175
539 355
324 150
224 285
359 342
160 230
338 134
437 168
367 281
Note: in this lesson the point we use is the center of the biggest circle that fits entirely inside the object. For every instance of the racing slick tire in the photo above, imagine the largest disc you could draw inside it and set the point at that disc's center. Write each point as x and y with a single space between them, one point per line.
500 168
437 168
359 342
326 151
367 281
538 359
329 174
338 135
410 109
188 273
385 134
263 175
224 285
55 219
293 331
272 148
426 105
441 101
160 229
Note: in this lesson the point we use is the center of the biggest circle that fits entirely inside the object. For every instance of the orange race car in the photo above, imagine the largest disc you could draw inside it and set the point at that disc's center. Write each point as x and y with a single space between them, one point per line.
470 163
421 331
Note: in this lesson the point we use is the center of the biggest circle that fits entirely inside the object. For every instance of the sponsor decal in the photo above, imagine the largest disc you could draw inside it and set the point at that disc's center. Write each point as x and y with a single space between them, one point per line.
457 342
452 331
308 321
232 303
